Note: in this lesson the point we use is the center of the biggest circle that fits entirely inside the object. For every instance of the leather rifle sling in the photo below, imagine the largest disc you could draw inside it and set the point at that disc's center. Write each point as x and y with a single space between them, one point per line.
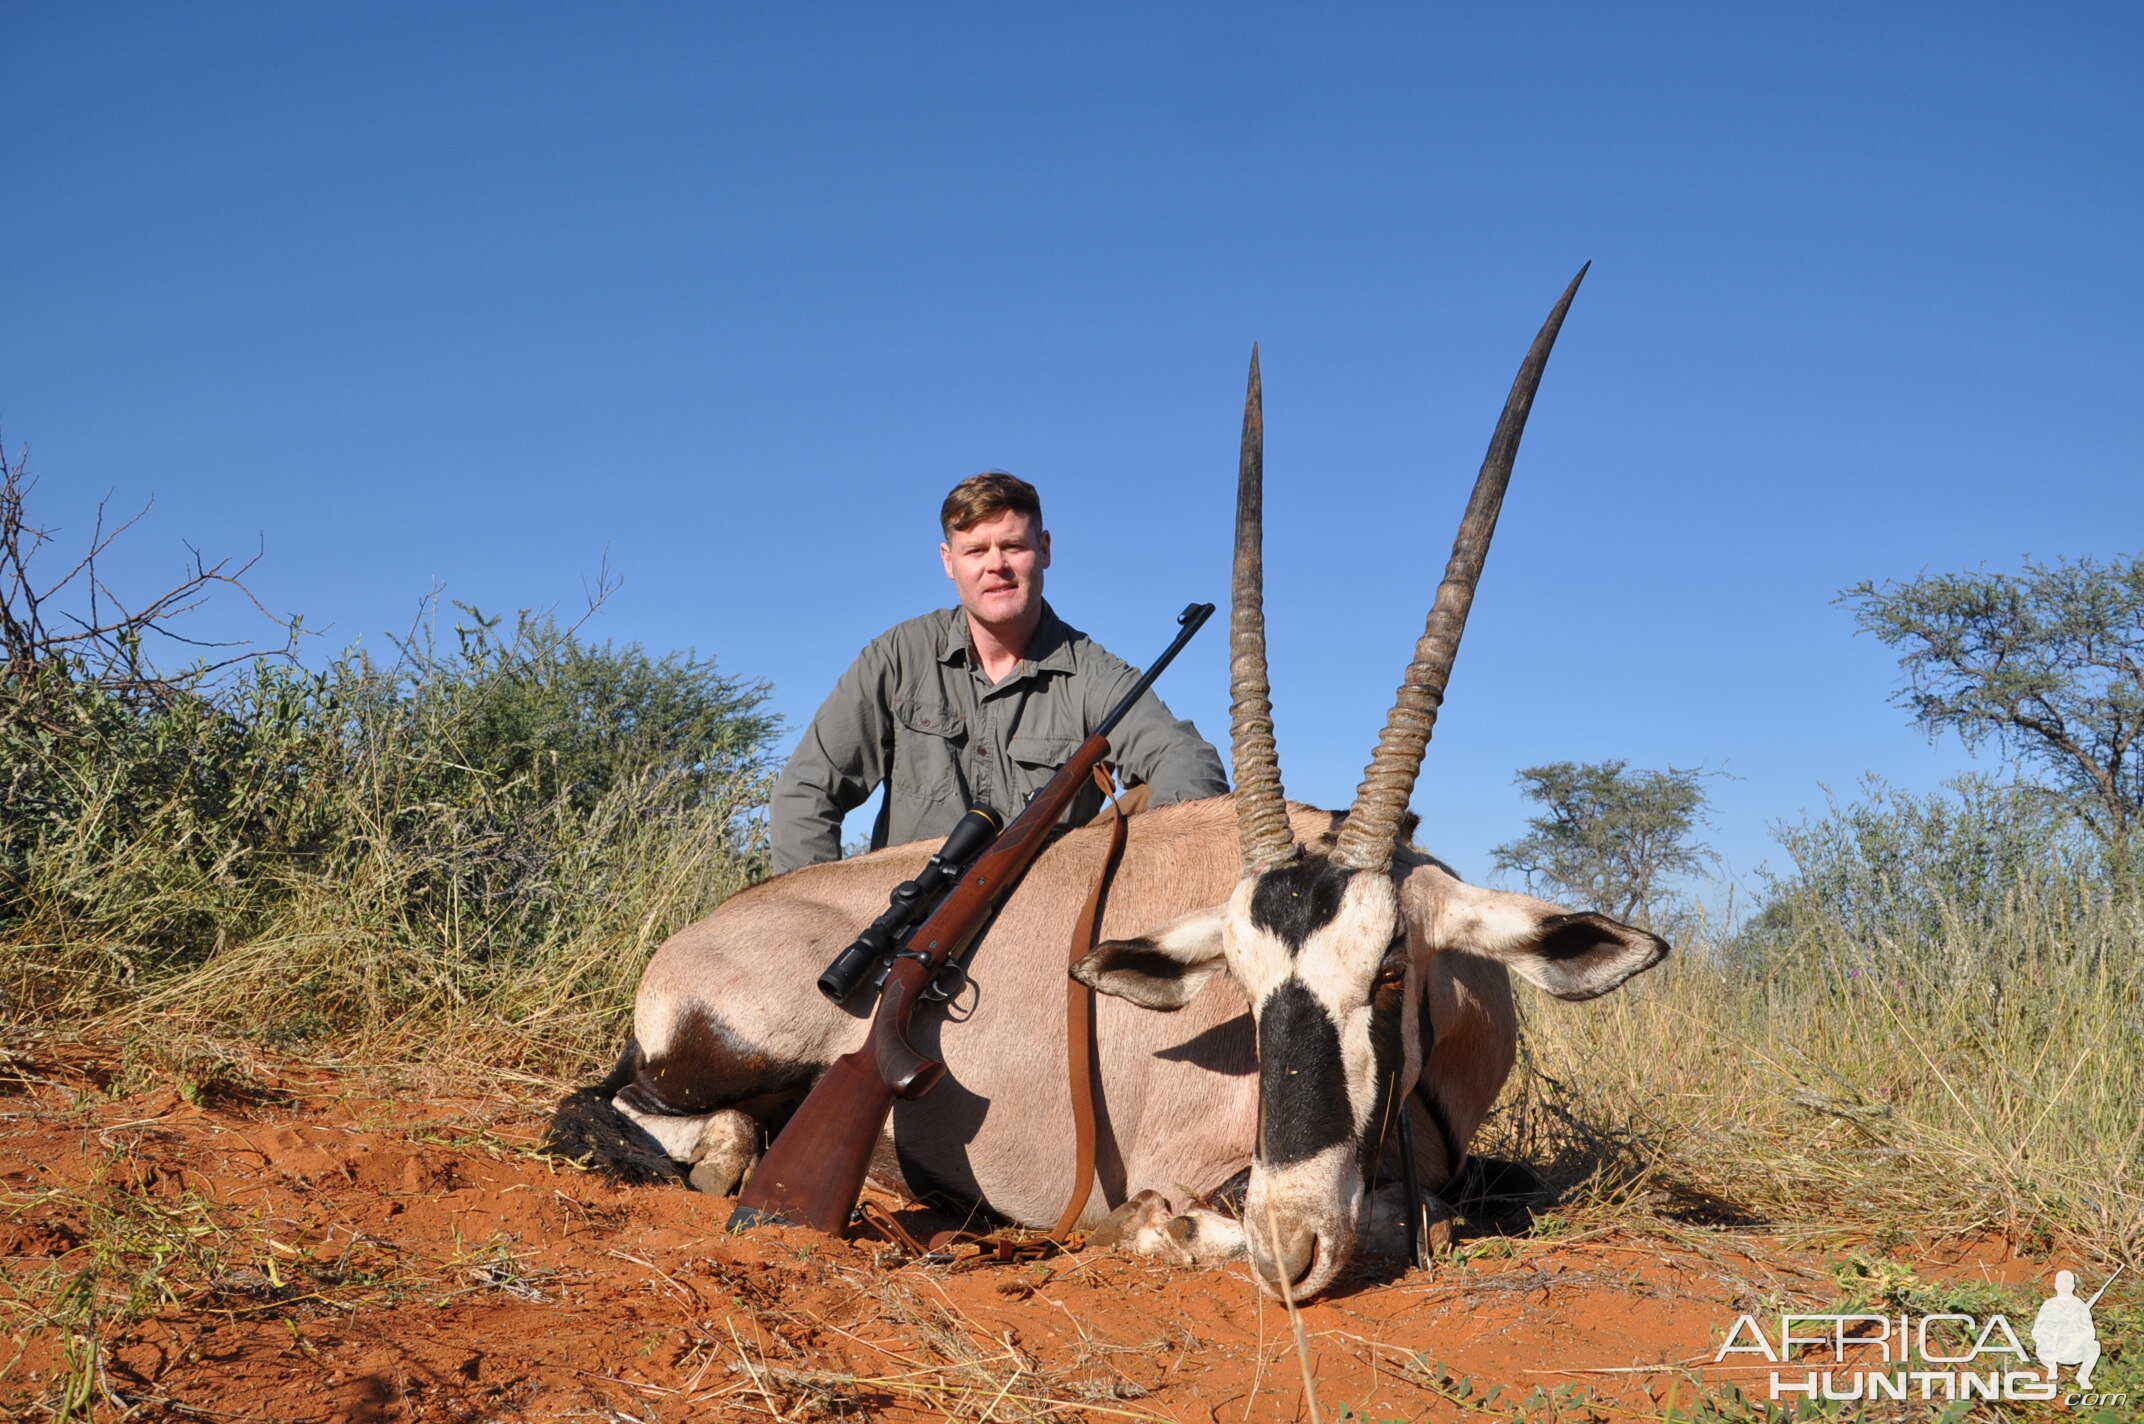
1079 1063
1079 1017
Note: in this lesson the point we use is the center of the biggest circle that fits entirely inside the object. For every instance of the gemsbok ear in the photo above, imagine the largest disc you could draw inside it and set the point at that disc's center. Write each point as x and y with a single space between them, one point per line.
1163 970
1582 956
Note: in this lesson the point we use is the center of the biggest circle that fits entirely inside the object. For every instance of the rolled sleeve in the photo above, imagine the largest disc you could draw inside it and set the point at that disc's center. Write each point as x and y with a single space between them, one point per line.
840 761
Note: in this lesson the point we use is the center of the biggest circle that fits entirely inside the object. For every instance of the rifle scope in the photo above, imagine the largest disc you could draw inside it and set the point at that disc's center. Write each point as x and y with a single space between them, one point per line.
910 902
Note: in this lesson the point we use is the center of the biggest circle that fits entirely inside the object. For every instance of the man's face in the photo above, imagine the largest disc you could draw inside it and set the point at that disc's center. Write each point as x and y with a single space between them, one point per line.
996 565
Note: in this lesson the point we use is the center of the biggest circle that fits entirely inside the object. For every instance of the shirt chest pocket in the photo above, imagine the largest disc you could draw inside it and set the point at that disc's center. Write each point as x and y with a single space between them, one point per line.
928 737
1041 754
1036 759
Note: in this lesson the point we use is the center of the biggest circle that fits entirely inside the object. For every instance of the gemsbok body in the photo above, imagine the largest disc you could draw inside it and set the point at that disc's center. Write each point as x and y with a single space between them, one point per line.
1288 995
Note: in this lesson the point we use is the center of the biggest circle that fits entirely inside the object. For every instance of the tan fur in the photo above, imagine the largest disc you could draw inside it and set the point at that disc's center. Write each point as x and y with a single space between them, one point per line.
1170 1113
1178 1090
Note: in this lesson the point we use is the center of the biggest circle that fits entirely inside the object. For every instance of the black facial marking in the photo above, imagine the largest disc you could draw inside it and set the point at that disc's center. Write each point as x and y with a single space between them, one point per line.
1294 902
1326 839
1387 1003
1303 1105
706 1066
1448 1139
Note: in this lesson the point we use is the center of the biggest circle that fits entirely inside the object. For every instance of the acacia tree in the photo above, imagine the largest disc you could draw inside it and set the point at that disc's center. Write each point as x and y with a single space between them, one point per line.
1608 836
2047 664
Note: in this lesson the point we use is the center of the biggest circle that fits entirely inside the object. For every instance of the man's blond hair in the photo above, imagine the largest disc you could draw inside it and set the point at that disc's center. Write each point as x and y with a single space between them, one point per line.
986 496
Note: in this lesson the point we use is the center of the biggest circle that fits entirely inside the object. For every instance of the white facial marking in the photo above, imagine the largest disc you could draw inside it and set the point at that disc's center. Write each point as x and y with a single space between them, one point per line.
1257 958
1322 1195
1338 964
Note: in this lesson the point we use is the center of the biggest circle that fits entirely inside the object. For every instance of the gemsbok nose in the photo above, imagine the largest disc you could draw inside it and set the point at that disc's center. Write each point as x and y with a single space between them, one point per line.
1297 1256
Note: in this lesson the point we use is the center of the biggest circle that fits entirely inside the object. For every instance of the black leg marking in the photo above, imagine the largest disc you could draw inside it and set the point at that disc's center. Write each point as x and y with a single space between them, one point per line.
1425 1027
1228 1197
1388 1060
707 1066
587 1127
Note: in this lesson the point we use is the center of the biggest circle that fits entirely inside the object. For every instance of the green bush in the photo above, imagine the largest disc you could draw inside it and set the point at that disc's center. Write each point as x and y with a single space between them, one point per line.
483 824
1894 867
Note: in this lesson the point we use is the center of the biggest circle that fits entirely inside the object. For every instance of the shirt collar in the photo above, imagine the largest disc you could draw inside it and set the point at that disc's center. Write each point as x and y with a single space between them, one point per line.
1050 651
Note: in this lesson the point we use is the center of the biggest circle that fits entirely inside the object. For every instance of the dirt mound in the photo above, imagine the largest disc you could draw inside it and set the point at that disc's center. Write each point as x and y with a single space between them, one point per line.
308 1250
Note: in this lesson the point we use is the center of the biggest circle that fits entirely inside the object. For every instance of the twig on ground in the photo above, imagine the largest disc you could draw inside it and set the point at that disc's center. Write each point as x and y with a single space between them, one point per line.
1295 1318
1250 1400
753 1371
683 1291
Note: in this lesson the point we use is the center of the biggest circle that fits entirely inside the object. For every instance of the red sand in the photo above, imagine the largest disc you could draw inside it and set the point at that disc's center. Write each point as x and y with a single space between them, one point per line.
377 1255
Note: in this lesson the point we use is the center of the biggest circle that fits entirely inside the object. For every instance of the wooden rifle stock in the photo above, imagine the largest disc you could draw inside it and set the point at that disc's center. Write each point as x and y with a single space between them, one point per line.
814 1170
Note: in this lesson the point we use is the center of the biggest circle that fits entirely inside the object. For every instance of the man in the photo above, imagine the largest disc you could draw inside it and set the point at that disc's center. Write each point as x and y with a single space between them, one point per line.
980 703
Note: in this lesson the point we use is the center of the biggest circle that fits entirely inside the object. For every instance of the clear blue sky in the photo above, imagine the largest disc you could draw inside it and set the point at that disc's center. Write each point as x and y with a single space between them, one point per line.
478 294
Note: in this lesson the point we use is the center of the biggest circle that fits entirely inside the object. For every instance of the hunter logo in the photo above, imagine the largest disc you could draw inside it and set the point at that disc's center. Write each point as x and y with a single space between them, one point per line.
2062 1333
1945 1356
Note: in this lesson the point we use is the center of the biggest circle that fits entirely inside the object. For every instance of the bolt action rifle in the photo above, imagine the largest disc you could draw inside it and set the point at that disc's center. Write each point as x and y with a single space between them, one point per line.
814 1170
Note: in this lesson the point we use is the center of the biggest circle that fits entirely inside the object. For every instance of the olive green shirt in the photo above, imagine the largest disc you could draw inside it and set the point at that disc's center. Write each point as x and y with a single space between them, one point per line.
916 713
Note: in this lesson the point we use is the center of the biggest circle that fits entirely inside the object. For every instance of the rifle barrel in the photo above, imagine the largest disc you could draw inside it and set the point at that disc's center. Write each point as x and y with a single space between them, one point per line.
1190 620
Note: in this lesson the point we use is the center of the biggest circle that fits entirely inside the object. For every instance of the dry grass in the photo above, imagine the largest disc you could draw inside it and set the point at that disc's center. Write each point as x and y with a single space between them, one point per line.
1980 1081
475 846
